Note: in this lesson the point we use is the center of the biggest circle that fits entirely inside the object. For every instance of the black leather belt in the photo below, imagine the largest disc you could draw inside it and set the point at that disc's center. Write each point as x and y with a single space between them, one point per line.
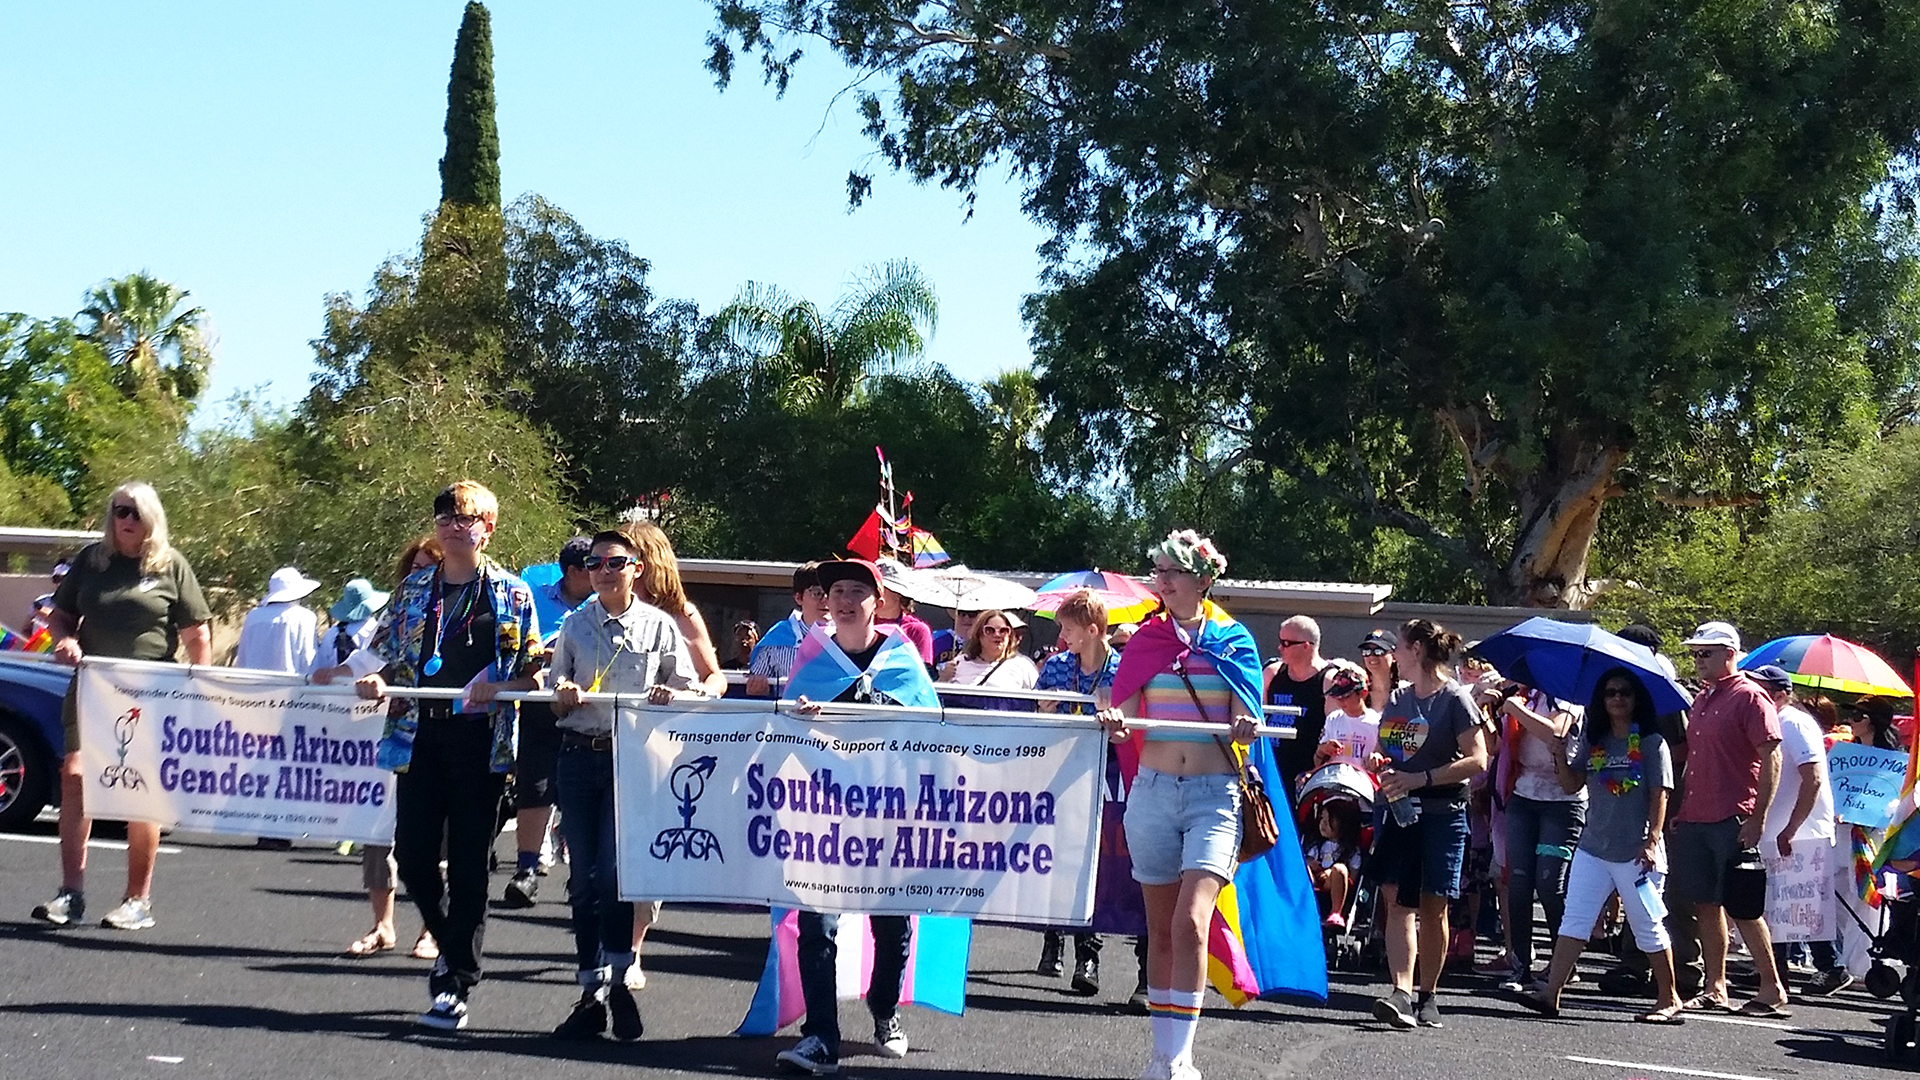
601 743
443 710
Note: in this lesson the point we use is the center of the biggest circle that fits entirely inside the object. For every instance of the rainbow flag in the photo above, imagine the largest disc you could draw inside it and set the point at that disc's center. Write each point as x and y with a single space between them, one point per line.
927 550
936 974
39 641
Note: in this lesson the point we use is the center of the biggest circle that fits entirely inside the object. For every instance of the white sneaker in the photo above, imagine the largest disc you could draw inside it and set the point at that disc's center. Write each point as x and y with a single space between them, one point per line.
1185 1069
134 913
449 1012
1158 1068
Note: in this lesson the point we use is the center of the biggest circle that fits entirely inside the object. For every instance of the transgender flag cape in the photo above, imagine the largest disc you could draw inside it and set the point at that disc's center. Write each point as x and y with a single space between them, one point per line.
936 974
822 672
1265 938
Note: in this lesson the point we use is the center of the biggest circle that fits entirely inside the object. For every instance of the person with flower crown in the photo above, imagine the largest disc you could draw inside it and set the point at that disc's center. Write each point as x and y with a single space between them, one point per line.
1619 757
1189 661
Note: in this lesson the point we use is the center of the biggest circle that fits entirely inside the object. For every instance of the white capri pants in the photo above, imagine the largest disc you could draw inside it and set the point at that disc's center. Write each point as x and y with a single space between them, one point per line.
1592 880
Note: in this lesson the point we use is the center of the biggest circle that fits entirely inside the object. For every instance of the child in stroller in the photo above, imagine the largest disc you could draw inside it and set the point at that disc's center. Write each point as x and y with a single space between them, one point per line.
1334 806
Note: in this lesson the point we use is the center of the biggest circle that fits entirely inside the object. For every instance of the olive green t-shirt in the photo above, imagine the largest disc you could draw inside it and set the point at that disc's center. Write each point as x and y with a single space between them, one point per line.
128 614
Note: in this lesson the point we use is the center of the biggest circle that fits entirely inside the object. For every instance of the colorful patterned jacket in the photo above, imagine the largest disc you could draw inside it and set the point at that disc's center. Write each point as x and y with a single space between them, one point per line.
401 635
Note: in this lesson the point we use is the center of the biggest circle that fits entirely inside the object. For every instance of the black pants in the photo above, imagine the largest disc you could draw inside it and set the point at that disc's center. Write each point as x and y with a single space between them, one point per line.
449 790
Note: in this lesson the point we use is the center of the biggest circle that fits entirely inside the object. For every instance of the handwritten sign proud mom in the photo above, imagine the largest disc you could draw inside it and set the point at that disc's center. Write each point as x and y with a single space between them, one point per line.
1866 783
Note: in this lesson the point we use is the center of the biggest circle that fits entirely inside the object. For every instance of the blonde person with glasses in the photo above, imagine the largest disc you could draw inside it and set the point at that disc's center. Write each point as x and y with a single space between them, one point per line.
465 624
128 595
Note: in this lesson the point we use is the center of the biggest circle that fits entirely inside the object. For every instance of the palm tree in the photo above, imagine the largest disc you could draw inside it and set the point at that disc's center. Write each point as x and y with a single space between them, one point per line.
818 360
153 339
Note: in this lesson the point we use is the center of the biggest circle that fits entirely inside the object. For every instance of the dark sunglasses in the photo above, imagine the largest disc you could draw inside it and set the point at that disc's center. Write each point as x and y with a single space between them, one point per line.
615 563
1288 643
122 511
1618 691
1372 651
1703 654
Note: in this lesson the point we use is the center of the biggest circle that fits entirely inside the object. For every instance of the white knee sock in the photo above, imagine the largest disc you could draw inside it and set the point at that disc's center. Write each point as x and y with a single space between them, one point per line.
1158 1000
1183 1017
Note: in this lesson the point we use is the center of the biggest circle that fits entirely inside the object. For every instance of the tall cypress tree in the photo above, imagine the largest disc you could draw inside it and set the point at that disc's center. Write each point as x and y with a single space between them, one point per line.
470 173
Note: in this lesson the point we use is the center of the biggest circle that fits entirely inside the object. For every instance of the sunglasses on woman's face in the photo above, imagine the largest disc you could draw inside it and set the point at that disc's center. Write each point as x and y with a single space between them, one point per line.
122 512
1619 691
615 563
996 630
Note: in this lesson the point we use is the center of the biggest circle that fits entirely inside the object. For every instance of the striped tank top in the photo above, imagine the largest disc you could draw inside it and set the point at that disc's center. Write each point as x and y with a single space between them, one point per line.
1165 698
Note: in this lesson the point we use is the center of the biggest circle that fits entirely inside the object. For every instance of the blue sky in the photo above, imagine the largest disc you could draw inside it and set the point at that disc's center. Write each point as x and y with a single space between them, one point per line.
263 155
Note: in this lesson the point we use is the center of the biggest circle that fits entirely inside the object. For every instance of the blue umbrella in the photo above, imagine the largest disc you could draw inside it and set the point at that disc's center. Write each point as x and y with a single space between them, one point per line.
1567 659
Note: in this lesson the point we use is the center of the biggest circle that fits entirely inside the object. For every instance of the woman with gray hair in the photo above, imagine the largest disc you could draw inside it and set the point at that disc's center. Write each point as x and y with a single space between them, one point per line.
129 595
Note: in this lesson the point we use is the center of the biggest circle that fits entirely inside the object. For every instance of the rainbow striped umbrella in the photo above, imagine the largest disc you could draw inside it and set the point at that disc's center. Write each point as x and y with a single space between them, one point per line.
1127 599
1826 662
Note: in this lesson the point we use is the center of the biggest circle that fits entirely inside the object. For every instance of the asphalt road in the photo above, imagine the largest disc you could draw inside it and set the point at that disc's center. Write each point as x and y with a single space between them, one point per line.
242 978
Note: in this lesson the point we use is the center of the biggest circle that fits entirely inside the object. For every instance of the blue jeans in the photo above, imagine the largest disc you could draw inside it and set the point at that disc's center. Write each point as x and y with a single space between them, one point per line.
818 952
602 922
1541 836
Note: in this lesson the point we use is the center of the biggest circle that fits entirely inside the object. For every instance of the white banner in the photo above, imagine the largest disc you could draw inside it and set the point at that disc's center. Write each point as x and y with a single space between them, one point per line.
1800 892
887 814
243 753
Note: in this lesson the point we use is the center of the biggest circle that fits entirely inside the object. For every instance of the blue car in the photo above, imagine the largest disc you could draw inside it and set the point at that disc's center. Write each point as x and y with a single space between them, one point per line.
31 743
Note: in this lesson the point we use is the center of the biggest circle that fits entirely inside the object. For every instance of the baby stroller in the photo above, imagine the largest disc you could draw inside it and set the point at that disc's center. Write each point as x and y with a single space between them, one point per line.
1899 942
1342 781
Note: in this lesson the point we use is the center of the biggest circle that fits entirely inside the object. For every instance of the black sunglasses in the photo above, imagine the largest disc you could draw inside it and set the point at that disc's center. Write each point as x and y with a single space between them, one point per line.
1619 691
123 512
615 563
1288 643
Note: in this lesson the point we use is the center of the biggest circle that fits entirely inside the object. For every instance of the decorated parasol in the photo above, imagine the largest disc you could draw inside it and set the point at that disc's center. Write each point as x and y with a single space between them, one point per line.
1126 599
1826 662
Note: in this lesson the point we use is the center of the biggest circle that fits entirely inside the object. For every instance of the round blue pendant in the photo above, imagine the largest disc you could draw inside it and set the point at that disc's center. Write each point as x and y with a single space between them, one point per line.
432 666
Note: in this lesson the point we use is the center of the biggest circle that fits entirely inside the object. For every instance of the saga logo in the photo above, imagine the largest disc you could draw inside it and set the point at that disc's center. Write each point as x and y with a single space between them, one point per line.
688 782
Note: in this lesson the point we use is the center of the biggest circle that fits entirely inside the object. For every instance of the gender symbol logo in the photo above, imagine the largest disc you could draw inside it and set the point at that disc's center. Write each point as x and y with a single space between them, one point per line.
688 782
123 774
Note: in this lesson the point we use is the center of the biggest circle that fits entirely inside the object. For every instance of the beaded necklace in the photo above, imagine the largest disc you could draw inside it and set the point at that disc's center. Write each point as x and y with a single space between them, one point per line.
1618 784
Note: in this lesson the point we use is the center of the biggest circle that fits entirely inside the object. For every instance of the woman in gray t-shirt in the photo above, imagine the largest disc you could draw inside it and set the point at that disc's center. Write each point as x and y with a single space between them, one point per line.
1621 759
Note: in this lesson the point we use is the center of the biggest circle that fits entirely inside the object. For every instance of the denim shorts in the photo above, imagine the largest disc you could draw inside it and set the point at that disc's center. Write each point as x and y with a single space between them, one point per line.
1179 823
1425 857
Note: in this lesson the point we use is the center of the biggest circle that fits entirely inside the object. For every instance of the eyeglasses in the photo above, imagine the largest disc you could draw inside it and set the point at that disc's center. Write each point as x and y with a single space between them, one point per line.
122 512
1619 692
464 521
1374 652
615 563
996 630
1288 643
1168 571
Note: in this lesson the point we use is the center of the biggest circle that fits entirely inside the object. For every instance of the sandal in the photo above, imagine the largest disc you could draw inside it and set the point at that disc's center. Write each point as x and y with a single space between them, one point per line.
424 947
1766 1009
1663 1016
373 942
1708 1003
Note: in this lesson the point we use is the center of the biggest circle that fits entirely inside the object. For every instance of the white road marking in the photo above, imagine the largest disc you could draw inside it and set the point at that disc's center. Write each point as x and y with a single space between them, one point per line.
107 845
1664 1068
1741 1021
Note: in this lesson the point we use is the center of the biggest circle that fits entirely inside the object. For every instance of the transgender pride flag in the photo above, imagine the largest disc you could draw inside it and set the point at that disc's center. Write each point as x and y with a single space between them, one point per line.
936 968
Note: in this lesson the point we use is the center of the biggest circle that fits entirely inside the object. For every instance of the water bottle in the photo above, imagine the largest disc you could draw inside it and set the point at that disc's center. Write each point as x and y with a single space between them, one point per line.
1405 810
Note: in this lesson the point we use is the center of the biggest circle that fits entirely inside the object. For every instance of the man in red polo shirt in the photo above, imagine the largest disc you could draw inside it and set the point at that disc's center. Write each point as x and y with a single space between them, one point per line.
1733 769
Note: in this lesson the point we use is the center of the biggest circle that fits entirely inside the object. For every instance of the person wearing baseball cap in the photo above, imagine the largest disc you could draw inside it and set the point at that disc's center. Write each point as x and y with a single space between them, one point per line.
888 671
1733 771
1383 673
1801 816
280 633
1352 731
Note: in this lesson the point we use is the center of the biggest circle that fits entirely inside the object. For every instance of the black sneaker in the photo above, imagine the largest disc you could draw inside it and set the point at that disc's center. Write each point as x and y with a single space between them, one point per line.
1086 976
66 906
809 1055
1137 1001
889 1037
625 1012
1396 1010
588 1020
1828 983
523 890
1052 950
1427 1012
